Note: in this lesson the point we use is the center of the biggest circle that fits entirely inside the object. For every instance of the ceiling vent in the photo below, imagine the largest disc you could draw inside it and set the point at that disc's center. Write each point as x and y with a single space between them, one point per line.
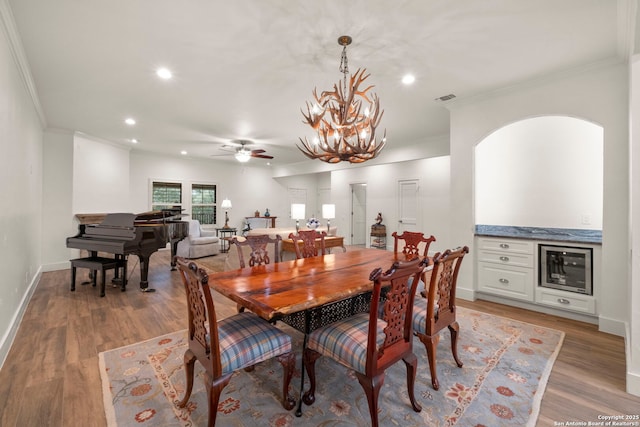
446 97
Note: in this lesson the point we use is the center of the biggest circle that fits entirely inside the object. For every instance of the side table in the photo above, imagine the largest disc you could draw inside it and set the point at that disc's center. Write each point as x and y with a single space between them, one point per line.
225 234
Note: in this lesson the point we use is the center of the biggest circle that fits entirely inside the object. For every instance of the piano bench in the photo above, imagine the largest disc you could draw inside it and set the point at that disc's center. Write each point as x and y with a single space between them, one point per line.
99 264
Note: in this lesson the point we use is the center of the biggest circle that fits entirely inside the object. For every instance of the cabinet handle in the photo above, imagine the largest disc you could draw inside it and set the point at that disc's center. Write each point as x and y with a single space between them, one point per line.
504 258
564 301
505 281
504 245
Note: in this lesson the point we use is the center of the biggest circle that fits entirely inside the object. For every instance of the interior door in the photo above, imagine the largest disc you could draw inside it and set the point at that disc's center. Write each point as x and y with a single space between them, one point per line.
408 205
358 214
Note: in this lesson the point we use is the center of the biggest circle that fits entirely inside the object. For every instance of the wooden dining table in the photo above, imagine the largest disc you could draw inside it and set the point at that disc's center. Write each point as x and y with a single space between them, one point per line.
306 293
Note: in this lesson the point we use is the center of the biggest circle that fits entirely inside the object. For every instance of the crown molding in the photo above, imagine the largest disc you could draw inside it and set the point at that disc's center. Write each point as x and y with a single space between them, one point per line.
17 51
627 10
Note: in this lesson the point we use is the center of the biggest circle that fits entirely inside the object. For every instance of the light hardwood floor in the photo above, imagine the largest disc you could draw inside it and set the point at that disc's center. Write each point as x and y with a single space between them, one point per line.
51 378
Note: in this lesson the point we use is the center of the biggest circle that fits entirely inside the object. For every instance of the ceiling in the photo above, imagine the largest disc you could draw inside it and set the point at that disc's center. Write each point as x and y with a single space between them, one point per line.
244 69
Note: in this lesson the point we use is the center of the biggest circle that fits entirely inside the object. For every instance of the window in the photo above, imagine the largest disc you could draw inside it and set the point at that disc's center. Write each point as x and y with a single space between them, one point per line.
203 203
166 195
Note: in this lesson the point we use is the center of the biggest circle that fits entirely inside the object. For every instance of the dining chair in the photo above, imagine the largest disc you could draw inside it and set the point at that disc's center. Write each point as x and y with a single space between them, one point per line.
309 240
412 241
227 345
257 249
438 310
368 343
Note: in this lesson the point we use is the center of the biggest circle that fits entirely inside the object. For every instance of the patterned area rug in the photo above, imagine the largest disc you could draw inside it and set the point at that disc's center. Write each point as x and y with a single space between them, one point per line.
506 367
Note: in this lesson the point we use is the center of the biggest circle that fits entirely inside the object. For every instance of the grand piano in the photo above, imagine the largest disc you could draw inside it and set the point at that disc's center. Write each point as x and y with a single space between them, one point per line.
124 234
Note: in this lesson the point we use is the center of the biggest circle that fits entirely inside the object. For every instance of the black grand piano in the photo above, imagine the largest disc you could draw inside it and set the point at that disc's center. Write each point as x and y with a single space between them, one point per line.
124 234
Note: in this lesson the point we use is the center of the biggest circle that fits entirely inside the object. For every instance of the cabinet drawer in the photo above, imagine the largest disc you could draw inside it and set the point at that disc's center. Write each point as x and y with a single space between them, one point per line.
514 259
505 245
566 300
513 282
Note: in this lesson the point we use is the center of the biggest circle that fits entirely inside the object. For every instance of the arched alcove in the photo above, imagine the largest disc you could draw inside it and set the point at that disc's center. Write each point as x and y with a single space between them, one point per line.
541 172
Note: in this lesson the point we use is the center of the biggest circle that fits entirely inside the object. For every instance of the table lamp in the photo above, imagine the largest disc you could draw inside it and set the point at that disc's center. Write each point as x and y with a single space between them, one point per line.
328 213
226 205
297 213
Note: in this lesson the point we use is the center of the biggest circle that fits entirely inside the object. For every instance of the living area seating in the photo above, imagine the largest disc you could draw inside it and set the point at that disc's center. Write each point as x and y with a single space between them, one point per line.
225 346
369 344
413 241
309 247
199 243
438 309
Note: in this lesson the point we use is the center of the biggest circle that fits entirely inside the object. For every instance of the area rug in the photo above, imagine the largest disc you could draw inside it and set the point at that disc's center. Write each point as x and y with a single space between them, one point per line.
506 367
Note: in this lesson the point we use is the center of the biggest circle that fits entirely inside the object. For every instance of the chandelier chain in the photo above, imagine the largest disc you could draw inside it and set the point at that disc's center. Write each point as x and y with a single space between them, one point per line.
344 66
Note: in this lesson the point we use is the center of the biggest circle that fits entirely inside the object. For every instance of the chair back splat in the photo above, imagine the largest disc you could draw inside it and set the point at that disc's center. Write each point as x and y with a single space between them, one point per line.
369 344
246 340
438 310
259 249
412 242
312 243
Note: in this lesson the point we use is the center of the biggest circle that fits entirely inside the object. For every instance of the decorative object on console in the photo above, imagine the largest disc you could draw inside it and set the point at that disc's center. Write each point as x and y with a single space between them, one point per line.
297 213
313 223
226 205
256 213
344 119
266 213
328 213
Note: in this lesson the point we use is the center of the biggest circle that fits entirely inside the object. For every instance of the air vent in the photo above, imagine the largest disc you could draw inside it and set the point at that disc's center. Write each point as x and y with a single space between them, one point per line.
446 97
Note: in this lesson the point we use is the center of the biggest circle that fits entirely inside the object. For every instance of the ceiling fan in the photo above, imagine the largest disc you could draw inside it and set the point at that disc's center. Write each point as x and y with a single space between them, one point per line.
240 151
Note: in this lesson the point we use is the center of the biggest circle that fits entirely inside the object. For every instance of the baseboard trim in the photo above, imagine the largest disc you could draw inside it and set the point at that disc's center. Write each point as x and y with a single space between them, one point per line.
63 265
612 326
10 334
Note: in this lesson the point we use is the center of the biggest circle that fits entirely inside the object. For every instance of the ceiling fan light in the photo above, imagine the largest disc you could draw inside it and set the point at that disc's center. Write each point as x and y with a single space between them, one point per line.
243 156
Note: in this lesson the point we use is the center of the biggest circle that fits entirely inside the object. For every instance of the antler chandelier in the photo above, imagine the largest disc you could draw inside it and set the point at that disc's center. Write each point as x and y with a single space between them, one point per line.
344 119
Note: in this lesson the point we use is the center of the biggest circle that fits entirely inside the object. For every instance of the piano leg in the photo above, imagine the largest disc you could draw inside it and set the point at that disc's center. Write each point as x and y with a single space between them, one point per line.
144 273
174 250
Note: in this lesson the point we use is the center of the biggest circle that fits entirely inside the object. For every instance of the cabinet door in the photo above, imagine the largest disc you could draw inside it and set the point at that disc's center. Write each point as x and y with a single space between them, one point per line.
506 281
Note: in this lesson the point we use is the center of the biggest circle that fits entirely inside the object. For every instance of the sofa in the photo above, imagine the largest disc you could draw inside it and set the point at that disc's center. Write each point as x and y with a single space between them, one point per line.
199 243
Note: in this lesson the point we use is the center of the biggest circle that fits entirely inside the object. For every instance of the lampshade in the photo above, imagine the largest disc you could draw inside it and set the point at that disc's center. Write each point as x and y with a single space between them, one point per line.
226 204
328 211
297 211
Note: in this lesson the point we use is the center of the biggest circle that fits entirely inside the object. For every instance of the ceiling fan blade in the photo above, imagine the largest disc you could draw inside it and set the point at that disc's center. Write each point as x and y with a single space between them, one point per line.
258 151
261 156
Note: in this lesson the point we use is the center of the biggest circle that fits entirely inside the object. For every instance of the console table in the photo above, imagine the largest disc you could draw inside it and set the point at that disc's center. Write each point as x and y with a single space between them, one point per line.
269 221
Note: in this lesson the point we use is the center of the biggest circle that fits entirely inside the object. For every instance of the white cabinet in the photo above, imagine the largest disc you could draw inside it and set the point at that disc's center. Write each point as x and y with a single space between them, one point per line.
506 268
566 300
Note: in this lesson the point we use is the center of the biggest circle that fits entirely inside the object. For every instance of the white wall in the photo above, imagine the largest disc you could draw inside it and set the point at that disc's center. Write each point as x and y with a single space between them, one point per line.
57 199
541 172
249 188
382 196
100 176
20 192
598 95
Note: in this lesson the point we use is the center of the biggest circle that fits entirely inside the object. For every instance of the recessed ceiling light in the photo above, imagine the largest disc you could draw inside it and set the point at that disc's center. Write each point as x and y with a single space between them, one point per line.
134 141
183 152
408 79
164 73
130 121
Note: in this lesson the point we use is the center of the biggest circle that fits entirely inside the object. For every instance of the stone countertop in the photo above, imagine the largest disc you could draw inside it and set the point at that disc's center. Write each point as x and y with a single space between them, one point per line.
540 233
